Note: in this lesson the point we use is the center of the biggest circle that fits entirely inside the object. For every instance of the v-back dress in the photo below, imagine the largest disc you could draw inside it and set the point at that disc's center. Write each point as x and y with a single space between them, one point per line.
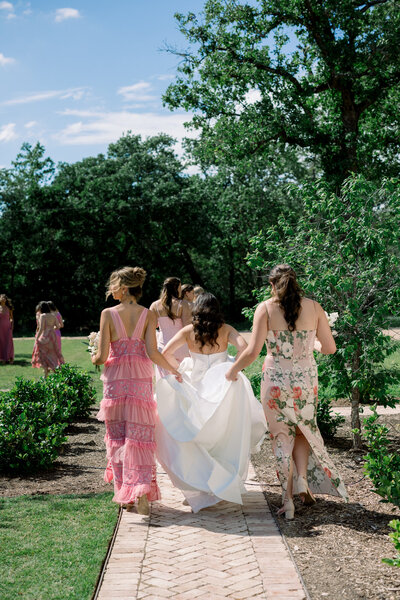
129 411
289 391
207 428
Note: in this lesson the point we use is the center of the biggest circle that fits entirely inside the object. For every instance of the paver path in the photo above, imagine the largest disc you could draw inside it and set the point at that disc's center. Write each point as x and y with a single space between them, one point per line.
227 551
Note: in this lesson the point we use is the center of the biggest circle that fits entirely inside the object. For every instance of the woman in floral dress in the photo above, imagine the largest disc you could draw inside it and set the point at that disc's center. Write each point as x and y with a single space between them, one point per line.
292 327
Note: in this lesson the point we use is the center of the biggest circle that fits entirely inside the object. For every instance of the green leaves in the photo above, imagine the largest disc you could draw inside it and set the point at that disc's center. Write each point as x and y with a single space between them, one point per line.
35 414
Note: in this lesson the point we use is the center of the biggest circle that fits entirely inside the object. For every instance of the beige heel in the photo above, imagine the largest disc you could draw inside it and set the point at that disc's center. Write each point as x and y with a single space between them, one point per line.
304 492
287 509
143 507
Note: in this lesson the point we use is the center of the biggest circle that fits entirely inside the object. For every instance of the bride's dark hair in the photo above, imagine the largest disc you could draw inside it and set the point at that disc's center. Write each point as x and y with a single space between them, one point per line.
287 292
207 319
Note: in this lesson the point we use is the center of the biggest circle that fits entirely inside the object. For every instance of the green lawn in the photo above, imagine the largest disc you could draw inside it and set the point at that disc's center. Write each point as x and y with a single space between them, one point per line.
52 547
74 351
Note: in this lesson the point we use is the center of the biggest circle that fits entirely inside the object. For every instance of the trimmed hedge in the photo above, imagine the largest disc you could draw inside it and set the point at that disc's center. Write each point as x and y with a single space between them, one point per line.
35 414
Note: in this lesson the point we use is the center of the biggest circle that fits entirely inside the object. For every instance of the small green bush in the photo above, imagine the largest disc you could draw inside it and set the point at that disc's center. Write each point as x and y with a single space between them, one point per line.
73 389
381 465
328 423
32 427
395 537
255 380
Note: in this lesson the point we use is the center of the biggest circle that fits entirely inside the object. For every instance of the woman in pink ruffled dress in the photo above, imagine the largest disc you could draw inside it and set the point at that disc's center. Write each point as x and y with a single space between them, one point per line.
127 347
6 330
46 353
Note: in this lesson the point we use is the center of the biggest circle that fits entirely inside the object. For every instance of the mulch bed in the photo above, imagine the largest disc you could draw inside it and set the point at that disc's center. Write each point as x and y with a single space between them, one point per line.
337 547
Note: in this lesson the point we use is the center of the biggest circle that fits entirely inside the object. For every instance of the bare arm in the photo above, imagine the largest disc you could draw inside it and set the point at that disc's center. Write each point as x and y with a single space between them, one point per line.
186 313
105 337
176 342
236 340
11 319
325 342
60 321
40 328
258 337
151 346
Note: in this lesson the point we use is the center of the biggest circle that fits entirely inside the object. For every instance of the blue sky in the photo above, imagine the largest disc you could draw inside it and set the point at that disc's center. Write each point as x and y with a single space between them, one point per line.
76 75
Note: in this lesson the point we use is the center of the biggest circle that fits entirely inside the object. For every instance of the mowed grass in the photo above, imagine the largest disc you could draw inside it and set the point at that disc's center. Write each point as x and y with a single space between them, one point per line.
52 547
74 351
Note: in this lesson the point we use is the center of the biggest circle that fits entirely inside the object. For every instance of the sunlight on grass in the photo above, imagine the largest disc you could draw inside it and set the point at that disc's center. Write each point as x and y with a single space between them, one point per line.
53 546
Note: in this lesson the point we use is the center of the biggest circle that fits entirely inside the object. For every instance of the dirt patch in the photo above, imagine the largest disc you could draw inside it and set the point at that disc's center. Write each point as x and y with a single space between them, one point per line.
338 547
79 469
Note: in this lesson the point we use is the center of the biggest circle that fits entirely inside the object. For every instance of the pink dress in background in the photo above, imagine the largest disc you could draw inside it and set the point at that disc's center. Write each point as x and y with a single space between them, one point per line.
167 329
129 411
6 338
46 353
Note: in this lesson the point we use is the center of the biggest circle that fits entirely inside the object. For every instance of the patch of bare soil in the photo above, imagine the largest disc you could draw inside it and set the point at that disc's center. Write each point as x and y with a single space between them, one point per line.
337 546
78 470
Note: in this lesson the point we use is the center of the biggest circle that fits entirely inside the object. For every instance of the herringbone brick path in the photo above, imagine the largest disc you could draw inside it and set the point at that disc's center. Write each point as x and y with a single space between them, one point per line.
227 551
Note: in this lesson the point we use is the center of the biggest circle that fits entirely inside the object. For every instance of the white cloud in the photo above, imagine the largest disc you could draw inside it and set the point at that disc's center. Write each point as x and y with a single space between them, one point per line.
138 92
7 132
66 13
30 124
165 77
4 60
74 93
95 127
6 6
252 96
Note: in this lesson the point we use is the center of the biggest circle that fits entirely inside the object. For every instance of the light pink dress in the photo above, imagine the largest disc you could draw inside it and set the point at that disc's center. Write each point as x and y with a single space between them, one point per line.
6 338
58 332
46 352
167 329
129 411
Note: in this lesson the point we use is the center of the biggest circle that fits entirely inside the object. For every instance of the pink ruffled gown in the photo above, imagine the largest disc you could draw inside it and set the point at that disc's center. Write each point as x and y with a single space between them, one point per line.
129 411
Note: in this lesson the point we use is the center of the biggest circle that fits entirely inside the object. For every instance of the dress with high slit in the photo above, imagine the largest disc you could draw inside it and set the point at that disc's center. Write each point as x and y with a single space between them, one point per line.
207 428
289 392
129 411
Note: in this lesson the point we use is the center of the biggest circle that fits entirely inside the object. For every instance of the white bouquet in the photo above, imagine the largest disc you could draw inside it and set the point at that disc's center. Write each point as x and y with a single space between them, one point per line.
332 318
94 339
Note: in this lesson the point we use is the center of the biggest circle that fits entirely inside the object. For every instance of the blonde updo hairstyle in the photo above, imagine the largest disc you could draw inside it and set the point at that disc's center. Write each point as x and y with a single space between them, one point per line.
288 293
132 277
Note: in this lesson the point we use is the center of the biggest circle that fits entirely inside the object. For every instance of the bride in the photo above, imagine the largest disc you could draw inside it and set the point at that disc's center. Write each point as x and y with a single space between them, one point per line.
208 426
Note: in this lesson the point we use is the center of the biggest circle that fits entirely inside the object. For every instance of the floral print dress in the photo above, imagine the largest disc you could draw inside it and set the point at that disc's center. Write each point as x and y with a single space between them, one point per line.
289 393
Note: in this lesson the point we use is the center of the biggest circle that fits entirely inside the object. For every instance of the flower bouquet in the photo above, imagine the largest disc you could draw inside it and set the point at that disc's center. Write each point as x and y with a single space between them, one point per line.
93 345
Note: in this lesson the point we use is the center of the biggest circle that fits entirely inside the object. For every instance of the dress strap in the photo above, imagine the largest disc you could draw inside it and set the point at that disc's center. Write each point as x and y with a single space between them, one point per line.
140 324
118 324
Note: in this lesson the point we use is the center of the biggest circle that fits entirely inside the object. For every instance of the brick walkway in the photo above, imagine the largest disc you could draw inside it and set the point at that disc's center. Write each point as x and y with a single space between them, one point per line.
226 551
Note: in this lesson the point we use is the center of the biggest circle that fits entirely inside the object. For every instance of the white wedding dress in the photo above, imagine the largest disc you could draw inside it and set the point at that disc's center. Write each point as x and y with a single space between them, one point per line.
207 428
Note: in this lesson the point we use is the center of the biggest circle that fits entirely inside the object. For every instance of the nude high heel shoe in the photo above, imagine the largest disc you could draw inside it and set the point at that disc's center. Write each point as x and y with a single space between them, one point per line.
287 509
143 507
304 492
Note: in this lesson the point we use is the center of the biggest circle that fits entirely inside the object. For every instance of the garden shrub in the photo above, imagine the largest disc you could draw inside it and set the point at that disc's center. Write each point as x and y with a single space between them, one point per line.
328 423
32 427
381 465
395 537
72 388
35 414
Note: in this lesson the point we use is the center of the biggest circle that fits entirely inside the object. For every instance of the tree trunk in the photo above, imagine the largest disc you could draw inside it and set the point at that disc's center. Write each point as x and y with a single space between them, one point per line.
355 404
194 274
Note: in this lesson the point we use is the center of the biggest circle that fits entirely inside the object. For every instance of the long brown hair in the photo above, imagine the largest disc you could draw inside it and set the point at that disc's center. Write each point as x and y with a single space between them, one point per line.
287 292
207 319
170 290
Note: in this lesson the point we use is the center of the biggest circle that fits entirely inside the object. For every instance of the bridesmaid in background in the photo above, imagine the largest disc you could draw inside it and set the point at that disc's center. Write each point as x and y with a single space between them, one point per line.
127 346
188 293
172 314
54 311
292 327
6 330
46 353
